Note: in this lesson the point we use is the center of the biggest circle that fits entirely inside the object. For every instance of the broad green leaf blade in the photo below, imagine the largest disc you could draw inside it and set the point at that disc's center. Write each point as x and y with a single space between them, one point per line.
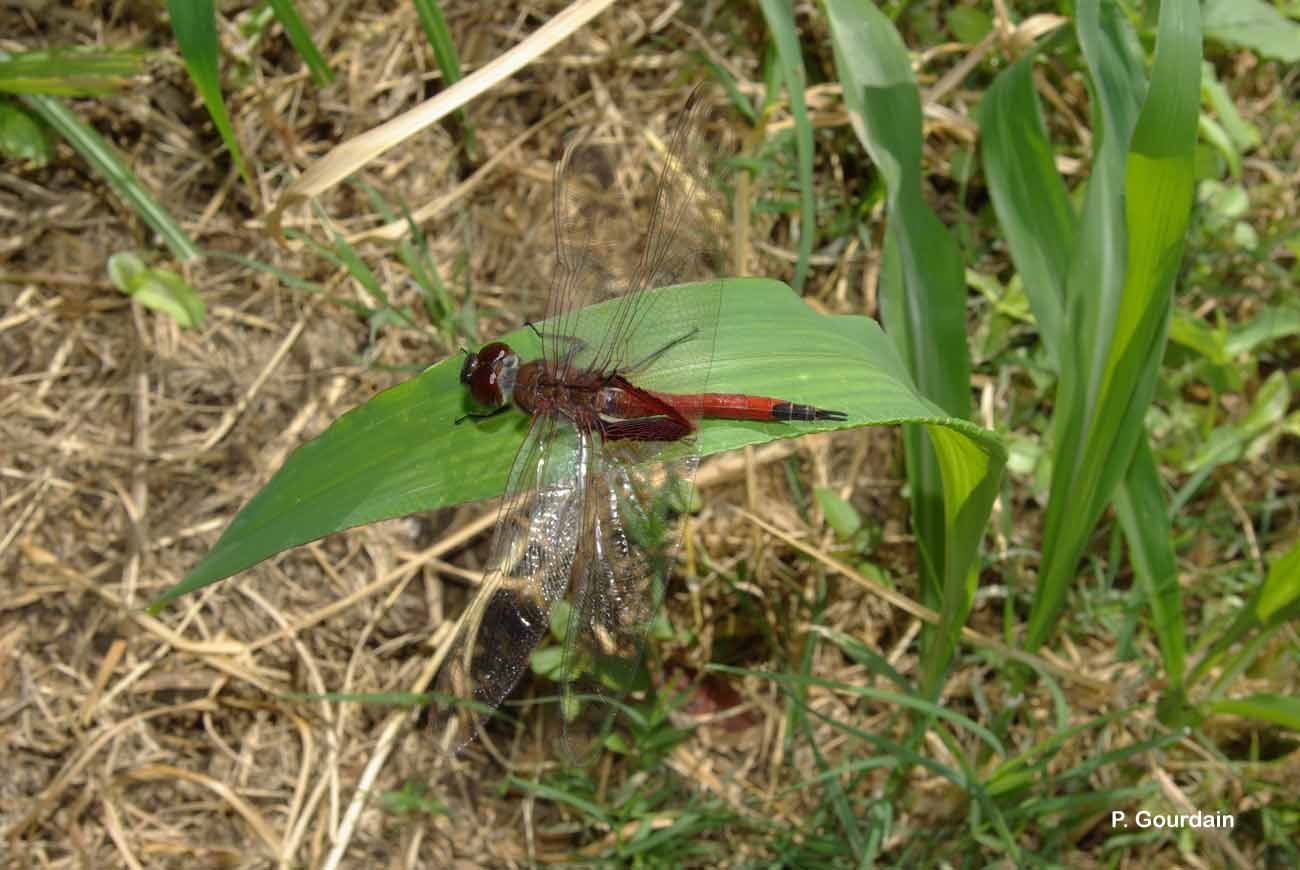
779 15
1029 195
194 24
924 293
401 452
105 159
1121 279
300 36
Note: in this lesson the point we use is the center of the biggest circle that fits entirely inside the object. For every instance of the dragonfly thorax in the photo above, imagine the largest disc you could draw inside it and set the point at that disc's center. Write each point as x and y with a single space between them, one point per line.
490 374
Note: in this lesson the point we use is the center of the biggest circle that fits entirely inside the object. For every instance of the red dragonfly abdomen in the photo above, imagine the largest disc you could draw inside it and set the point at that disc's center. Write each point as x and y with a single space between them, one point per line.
738 406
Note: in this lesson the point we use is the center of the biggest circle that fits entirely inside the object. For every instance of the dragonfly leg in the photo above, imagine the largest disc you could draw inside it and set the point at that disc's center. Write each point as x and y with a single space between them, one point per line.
575 344
491 413
641 365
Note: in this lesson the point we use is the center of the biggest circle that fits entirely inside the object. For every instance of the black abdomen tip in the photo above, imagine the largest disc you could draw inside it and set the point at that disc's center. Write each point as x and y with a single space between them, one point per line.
804 413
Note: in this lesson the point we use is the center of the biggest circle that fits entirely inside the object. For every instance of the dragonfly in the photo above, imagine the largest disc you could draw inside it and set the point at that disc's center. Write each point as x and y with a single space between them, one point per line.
583 536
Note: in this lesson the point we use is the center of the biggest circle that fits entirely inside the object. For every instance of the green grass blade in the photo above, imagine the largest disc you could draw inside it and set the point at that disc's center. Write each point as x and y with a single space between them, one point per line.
1140 506
924 307
300 37
779 15
1121 281
401 452
105 160
194 24
434 24
1029 195
1275 709
67 73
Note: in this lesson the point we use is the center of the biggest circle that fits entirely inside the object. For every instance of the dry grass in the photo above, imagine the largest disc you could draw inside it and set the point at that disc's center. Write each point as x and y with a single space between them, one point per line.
127 445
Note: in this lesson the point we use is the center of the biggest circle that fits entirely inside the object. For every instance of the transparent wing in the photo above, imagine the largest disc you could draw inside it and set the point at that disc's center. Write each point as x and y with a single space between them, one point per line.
532 556
625 224
618 585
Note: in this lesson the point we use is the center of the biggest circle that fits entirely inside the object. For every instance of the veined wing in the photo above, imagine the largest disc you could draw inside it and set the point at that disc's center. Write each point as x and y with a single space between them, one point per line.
623 226
532 557
619 578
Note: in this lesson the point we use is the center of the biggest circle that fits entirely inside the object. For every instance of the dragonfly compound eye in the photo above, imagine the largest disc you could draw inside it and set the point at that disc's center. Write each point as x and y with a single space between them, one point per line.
490 374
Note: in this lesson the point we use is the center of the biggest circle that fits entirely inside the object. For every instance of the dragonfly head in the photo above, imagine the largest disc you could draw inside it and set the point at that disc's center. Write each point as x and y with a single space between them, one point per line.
490 374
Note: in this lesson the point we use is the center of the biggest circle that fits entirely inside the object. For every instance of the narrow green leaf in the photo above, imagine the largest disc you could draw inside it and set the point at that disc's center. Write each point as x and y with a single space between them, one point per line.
436 31
401 452
1121 280
300 37
195 27
1242 134
105 160
779 15
68 73
1029 196
434 24
923 302
1277 709
1265 327
1140 506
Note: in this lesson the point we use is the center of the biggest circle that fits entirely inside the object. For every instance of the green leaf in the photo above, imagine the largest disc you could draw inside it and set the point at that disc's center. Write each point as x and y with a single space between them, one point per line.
779 15
1265 327
840 515
104 159
159 289
1276 709
1282 588
1140 506
401 452
1029 196
21 135
436 31
1242 135
68 73
1228 443
1253 24
195 27
414 798
1191 333
924 306
1120 285
968 24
